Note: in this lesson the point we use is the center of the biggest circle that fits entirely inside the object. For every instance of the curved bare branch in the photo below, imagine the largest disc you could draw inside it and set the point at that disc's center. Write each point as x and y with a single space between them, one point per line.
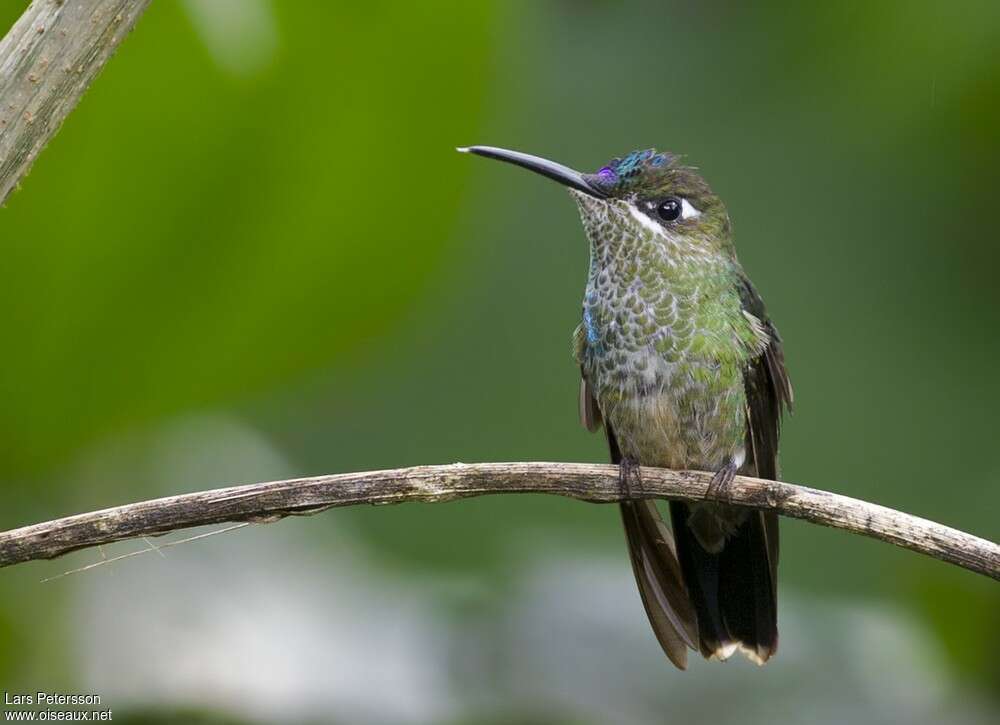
264 502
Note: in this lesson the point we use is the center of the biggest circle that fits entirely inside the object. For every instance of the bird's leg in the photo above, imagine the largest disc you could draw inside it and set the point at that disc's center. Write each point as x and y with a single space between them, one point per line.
628 470
721 481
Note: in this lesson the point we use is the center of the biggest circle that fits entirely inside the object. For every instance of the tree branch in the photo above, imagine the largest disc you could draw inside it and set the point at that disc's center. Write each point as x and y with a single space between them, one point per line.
47 61
265 502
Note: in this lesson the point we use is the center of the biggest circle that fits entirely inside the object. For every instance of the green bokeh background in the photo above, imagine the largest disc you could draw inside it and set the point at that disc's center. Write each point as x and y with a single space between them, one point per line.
281 235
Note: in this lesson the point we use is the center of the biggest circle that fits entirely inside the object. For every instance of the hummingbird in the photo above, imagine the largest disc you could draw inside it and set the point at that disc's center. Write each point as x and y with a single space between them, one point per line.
683 368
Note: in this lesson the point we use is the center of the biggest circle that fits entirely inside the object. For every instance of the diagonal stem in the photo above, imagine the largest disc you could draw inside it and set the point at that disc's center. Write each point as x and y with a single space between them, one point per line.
47 60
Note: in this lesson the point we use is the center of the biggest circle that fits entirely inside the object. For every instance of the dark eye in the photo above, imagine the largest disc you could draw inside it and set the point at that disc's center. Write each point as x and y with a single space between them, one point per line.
669 209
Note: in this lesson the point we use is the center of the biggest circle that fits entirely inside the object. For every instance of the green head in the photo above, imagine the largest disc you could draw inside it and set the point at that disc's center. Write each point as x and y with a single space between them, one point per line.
633 198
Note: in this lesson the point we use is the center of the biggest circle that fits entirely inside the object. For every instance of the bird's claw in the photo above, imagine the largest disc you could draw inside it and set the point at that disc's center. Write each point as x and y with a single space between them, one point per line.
628 470
718 489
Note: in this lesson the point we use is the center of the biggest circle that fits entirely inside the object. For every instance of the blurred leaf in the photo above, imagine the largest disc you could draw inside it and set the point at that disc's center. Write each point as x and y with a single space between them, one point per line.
192 235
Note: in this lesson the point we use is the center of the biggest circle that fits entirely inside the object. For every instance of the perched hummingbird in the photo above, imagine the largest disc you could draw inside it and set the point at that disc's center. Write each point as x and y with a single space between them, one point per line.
683 368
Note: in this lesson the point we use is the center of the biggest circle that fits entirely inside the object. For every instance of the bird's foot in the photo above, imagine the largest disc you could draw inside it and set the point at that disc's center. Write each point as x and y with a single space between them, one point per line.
718 489
628 472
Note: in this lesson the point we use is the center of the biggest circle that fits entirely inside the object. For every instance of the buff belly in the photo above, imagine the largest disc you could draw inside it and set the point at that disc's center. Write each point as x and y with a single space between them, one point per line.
692 426
699 424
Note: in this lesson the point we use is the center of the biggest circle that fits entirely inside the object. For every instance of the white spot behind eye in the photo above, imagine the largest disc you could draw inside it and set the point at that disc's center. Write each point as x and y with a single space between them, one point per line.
688 211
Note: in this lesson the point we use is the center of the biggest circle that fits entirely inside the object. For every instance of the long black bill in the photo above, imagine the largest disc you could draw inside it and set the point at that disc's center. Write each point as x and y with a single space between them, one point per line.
557 172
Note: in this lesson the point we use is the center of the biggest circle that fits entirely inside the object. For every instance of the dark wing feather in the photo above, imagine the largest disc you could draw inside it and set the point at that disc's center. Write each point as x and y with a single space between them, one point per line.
768 392
590 414
768 388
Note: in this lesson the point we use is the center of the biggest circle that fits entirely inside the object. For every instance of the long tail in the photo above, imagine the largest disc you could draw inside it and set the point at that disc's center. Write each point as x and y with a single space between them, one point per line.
657 571
661 585
734 591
